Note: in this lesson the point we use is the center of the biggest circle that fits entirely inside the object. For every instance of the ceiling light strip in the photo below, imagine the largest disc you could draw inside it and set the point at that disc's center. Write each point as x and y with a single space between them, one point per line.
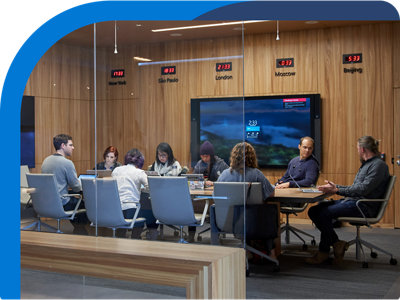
207 25
188 60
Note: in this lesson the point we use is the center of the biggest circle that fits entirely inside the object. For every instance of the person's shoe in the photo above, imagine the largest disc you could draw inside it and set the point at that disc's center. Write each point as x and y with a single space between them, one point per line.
152 234
318 258
339 248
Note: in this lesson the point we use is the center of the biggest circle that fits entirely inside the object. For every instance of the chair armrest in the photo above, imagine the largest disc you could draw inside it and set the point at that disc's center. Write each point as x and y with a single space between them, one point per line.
366 200
77 204
29 190
135 215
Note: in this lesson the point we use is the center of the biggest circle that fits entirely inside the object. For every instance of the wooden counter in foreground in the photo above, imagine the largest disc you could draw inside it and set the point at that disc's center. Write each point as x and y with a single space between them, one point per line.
205 271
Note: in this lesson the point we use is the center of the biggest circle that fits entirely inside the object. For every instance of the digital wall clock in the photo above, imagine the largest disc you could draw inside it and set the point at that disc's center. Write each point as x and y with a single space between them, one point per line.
284 62
221 67
118 73
168 70
352 58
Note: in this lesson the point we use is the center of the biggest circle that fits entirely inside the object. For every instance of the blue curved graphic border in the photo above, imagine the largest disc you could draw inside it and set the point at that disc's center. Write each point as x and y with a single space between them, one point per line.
70 20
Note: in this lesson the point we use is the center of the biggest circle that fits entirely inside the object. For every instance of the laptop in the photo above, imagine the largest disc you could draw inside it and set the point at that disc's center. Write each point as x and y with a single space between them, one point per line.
196 181
100 173
152 173
305 190
90 176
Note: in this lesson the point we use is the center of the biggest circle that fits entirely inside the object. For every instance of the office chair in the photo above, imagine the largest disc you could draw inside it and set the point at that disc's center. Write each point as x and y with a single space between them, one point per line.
25 196
227 216
286 228
103 205
364 221
172 204
47 203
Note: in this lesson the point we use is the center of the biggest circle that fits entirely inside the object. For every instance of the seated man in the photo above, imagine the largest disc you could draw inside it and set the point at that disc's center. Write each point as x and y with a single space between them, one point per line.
303 168
65 174
370 182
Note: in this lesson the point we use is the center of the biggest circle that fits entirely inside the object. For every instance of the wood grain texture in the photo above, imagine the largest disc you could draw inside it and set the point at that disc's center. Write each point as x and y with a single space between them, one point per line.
144 112
205 271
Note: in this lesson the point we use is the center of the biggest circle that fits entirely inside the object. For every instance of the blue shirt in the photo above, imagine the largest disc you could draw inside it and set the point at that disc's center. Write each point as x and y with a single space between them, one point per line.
303 171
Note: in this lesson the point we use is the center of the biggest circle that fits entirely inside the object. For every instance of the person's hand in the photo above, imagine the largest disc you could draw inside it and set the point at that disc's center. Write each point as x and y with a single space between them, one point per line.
209 183
282 185
328 188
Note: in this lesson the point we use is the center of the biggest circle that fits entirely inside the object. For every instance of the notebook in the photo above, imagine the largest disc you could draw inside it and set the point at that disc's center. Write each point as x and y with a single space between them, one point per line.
100 173
195 181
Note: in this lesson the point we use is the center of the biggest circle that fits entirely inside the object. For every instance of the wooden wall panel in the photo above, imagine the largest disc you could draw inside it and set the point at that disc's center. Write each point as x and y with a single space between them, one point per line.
396 55
261 52
144 112
396 119
62 83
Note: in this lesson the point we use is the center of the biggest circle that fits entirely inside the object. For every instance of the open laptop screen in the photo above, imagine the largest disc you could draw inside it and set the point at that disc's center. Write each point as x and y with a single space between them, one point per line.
86 176
196 181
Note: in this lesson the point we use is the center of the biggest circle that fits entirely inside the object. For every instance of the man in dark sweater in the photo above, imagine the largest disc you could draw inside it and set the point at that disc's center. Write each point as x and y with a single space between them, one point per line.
370 182
303 169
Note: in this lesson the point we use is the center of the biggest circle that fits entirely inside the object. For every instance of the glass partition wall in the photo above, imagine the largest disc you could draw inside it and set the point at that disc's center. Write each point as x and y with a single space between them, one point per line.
143 85
150 92
158 89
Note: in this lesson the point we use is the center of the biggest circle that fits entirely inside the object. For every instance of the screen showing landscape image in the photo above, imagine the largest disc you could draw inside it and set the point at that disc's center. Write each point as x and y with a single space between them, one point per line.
272 126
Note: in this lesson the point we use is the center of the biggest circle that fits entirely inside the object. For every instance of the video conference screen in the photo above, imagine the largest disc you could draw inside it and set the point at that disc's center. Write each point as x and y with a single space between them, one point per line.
272 124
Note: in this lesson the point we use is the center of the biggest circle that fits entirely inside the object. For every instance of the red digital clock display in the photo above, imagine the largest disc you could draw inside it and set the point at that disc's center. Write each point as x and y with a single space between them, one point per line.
285 62
352 58
118 73
221 67
169 70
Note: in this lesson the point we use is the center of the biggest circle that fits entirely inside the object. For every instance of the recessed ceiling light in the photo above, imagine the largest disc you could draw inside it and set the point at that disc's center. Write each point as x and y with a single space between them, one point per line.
176 34
311 22
138 25
141 58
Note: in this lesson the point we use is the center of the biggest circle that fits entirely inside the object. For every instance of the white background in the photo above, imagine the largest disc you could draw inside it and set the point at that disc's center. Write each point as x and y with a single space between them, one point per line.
19 19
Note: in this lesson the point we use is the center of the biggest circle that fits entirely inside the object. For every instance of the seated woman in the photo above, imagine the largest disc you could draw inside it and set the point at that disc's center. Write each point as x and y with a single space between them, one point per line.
130 179
243 168
165 163
110 159
210 165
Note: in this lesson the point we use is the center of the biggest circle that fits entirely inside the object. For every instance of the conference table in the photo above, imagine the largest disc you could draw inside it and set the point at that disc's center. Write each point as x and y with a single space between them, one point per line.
290 194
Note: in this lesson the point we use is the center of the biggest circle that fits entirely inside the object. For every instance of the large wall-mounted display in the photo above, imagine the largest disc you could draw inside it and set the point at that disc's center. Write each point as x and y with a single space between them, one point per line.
272 124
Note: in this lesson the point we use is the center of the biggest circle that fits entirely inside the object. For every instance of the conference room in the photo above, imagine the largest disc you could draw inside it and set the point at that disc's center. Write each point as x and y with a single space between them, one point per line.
136 84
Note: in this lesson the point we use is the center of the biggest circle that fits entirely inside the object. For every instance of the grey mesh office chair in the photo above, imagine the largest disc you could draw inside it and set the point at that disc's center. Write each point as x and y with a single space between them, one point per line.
358 222
227 215
172 204
47 203
103 205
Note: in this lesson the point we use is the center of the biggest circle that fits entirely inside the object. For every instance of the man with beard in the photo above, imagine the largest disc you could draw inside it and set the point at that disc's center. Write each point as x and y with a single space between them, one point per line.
370 182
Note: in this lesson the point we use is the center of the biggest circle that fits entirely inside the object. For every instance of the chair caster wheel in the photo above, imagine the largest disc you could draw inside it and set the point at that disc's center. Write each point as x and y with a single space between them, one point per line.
313 243
393 261
374 254
276 268
305 247
199 238
365 265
